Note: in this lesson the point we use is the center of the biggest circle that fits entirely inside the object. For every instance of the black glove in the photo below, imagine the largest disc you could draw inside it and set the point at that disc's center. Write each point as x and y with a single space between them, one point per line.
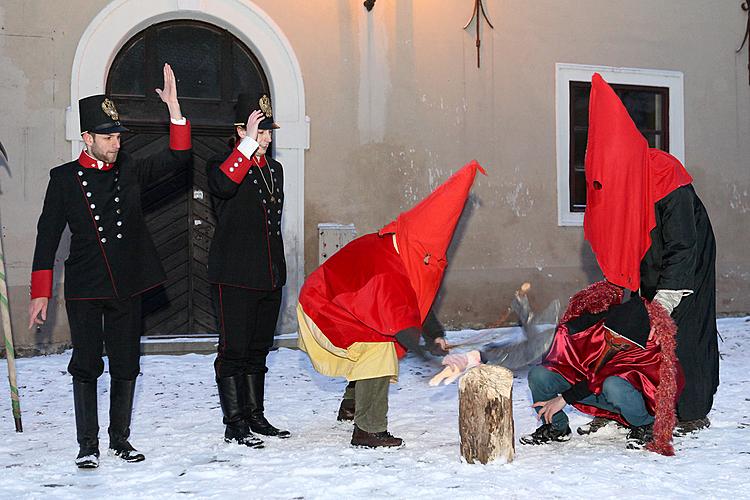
409 340
432 330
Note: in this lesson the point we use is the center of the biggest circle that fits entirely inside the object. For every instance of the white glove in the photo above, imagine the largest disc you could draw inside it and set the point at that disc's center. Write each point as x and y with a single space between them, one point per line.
669 299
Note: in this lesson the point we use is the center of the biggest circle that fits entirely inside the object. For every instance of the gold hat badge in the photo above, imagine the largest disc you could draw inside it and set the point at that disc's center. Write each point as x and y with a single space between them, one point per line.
265 106
109 108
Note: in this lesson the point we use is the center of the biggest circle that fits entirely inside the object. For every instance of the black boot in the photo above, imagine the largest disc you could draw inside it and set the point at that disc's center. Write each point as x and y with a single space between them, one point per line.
685 427
120 411
639 437
237 430
87 424
546 433
255 386
346 410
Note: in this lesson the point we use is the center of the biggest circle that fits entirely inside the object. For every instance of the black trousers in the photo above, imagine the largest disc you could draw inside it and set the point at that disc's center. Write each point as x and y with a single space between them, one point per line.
116 324
247 322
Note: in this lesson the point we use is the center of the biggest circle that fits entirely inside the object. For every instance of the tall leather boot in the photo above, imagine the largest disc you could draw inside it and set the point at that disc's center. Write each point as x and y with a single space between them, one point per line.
237 429
255 386
87 424
120 411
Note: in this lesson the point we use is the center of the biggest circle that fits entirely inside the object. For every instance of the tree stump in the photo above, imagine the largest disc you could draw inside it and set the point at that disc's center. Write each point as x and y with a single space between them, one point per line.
485 414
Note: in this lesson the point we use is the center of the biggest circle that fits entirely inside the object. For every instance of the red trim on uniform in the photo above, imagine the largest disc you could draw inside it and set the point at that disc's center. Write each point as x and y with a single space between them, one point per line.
236 166
234 285
261 163
41 283
179 136
98 238
87 161
147 289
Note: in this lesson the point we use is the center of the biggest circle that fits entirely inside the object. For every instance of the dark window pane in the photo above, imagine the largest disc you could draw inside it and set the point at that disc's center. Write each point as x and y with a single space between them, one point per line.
644 108
580 105
246 73
580 139
578 198
127 70
194 54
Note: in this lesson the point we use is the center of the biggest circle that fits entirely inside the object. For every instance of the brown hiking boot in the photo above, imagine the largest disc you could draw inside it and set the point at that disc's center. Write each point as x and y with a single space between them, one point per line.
684 427
595 425
346 410
375 439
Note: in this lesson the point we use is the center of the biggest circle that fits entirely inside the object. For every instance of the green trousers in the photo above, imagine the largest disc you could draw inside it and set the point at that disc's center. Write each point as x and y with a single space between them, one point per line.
370 403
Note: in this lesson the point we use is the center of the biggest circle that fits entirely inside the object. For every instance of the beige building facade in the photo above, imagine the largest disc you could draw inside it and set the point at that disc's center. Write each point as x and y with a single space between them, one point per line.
378 107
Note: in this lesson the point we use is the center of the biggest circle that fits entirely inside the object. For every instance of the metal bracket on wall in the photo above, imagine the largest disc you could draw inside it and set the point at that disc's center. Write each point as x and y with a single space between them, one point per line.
746 7
369 4
478 6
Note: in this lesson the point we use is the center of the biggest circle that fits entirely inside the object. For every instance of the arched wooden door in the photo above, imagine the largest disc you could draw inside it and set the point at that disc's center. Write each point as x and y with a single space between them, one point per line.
212 67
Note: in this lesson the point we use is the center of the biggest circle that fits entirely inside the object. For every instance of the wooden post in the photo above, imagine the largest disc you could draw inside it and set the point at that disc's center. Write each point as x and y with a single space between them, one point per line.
485 414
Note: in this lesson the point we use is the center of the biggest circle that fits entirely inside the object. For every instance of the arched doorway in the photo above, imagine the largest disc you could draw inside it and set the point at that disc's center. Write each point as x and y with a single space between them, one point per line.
121 20
212 67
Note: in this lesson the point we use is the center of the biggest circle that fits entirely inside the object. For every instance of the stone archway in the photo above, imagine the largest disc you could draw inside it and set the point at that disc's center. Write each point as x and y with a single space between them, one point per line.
122 19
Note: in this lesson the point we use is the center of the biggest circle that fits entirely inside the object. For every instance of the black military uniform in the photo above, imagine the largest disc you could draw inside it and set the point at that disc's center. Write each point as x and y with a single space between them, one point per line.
112 261
247 269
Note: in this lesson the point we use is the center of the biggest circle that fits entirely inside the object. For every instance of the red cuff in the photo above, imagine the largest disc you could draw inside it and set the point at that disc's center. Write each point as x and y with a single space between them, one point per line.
41 283
179 136
236 166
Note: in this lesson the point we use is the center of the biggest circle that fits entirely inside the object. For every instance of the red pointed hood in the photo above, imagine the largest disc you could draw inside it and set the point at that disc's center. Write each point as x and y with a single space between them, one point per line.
624 179
424 233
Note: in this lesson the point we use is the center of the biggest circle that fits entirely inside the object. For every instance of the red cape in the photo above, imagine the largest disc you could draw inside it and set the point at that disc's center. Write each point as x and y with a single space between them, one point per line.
653 371
361 294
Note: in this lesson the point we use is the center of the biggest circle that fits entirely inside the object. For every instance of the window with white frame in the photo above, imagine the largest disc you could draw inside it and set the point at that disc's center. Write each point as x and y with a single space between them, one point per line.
654 100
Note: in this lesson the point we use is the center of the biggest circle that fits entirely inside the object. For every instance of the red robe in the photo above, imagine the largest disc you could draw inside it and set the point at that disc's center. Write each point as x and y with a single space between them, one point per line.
361 294
653 371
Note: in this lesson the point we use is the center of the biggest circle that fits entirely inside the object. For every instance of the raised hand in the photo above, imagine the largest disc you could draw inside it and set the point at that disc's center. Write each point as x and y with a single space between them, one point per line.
168 94
253 121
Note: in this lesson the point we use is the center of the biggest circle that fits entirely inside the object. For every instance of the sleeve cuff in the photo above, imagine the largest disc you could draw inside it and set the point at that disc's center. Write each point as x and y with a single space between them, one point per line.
247 147
577 392
179 135
236 166
41 283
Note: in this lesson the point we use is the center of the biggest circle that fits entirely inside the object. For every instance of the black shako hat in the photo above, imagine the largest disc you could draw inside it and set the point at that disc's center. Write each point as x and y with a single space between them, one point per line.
247 103
98 115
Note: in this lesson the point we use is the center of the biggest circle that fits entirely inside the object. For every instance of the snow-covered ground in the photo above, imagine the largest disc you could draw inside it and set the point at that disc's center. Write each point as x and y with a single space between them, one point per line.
177 424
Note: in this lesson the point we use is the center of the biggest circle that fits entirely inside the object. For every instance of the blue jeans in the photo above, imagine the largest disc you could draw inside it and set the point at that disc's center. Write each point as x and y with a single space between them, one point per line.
617 396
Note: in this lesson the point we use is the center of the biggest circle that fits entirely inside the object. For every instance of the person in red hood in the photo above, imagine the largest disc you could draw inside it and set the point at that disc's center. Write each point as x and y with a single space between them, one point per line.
651 234
363 308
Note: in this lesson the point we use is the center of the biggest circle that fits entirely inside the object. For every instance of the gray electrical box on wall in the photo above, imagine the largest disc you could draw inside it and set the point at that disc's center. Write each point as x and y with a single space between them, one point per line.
332 237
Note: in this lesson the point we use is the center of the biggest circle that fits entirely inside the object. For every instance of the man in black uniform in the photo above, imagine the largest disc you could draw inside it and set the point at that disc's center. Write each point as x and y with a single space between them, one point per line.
112 261
246 267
